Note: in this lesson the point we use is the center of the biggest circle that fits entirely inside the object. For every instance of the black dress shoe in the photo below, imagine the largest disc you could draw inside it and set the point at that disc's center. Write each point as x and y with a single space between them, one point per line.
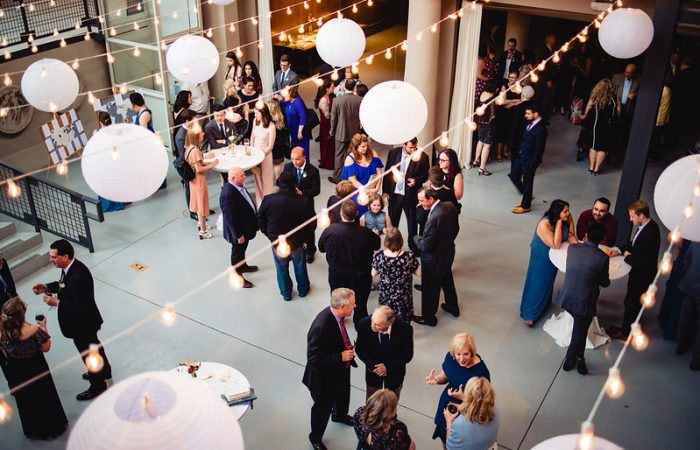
346 420
681 350
89 394
333 180
419 287
567 367
247 284
617 333
450 309
318 446
581 366
420 320
86 376
247 269
309 259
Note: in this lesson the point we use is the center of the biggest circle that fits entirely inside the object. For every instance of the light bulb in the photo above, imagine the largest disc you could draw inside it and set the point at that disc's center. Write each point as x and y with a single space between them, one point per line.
585 438
433 28
158 79
362 197
619 3
387 53
168 316
3 112
194 9
269 14
404 46
87 36
115 153
460 13
30 38
5 411
370 3
470 123
63 42
94 361
254 20
334 75
473 5
319 22
232 27
453 16
8 80
596 23
136 26
688 211
370 59
541 66
112 31
123 89
196 127
137 52
259 104
640 341
614 387
415 156
444 139
696 191
239 53
581 38
340 15
354 9
665 264
13 189
306 5
75 64
675 236
649 297
398 176
235 280
565 47
481 110
556 57
210 33
55 31
318 81
35 48
283 248
119 12
53 107
355 68
419 36
282 36
324 219
7 55
517 87
584 32
301 29
501 98
289 10
533 77
91 97
77 25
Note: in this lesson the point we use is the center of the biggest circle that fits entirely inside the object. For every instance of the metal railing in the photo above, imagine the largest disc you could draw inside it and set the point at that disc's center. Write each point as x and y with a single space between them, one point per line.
51 207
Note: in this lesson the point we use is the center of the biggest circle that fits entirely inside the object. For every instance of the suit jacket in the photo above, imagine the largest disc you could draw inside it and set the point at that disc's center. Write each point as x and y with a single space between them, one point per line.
644 255
400 352
292 78
324 345
550 71
437 244
239 217
587 268
213 133
180 143
349 248
531 146
283 211
78 315
690 283
345 117
11 290
515 63
418 170
618 83
310 184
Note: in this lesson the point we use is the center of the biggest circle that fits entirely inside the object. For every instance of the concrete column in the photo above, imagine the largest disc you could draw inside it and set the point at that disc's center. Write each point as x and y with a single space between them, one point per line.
213 17
422 58
266 65
518 26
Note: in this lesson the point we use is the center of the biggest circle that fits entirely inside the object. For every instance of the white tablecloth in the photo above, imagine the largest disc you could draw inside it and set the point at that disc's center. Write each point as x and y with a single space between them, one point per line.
569 442
618 267
238 158
560 326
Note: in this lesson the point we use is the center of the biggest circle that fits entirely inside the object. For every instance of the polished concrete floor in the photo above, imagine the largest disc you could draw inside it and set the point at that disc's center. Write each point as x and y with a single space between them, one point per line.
265 338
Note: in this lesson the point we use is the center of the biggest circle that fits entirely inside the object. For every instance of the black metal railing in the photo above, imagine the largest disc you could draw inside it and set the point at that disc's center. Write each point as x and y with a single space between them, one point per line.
51 207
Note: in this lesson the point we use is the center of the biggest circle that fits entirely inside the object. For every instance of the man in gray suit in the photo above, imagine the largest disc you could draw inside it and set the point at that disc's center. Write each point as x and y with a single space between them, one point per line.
587 268
285 76
689 322
626 86
345 123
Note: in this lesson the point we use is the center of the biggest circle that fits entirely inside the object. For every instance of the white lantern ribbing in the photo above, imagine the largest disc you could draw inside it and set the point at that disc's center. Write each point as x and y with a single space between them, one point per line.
50 85
393 112
626 32
673 193
192 59
124 163
340 42
157 411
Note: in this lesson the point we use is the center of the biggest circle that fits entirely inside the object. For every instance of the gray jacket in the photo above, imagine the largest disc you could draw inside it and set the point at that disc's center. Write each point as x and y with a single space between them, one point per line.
587 269
345 117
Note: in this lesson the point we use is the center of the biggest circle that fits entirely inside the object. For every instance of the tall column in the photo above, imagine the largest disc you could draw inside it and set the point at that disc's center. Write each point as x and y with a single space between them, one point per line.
266 65
518 27
213 17
422 58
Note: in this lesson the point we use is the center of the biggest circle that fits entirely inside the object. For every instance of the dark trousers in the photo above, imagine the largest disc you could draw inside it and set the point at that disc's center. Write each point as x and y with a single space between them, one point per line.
689 326
97 380
341 151
358 282
633 303
311 244
547 100
238 252
523 177
399 203
284 281
187 193
333 396
578 338
432 282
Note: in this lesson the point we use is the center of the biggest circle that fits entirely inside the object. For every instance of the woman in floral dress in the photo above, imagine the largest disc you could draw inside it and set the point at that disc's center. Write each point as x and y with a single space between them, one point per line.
396 268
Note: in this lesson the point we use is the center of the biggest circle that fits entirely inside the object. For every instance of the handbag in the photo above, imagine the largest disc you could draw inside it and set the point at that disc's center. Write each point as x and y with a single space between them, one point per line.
184 169
312 121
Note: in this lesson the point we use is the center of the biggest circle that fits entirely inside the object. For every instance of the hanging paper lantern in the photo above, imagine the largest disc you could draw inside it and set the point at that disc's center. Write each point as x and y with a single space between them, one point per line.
223 2
393 112
626 32
124 163
50 85
566 441
340 42
157 411
675 192
192 59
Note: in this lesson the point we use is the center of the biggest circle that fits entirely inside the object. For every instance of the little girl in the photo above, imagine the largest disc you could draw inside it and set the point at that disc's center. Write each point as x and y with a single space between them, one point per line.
375 219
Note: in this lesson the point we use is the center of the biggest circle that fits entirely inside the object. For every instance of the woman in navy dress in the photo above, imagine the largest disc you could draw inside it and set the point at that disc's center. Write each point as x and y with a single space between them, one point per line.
461 363
555 227
362 165
295 111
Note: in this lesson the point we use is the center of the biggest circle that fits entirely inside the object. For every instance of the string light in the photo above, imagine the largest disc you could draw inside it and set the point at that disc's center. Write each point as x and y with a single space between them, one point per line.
3 112
168 316
354 9
62 168
253 20
614 387
444 139
518 88
55 31
419 36
94 361
136 26
470 123
7 55
163 45
301 29
239 53
541 66
404 46
259 104
318 81
665 264
235 280
340 15
640 341
260 45
13 189
7 81
533 77
283 36
123 89
113 32
649 297
137 52
63 43
556 58
481 110
369 59
232 27
306 5
688 211
289 11
355 68
398 176
324 218
158 79
362 197
209 33
35 49
581 38
585 439
387 53
370 3
53 107
674 236
5 408
415 156
501 98
433 28
75 64
91 97
565 47
334 75
283 248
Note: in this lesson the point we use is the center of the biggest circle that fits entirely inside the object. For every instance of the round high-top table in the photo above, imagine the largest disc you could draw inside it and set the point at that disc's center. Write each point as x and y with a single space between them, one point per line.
237 158
618 267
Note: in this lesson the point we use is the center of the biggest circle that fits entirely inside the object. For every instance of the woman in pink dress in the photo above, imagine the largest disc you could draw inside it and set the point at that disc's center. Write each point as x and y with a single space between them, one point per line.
263 138
199 193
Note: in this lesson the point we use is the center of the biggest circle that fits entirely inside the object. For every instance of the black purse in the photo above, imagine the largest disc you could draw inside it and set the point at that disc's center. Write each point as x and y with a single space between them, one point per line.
312 121
184 169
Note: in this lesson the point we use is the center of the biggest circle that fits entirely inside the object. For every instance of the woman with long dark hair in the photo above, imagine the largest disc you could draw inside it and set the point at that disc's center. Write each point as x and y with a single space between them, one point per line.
323 103
251 70
234 70
183 100
486 70
449 163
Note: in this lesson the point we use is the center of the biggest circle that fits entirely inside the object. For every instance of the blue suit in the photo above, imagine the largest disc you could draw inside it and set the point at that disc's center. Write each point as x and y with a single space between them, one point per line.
529 156
239 220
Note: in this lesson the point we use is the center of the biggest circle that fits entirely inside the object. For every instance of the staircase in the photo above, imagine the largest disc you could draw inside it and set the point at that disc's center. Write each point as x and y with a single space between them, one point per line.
23 252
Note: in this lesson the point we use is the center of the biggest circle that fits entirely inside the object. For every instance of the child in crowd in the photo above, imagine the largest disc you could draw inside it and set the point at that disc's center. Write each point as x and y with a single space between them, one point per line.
375 218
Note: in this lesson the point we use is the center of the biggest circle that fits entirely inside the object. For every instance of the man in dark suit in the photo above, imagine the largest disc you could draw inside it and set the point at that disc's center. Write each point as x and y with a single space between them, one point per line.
7 283
78 316
403 193
285 76
240 226
279 213
308 183
587 269
329 355
385 345
548 77
689 321
189 118
510 61
218 130
437 247
349 249
642 254
530 150
345 123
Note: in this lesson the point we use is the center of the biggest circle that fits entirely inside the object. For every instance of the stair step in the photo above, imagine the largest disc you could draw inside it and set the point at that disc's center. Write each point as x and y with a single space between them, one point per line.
19 243
7 229
28 264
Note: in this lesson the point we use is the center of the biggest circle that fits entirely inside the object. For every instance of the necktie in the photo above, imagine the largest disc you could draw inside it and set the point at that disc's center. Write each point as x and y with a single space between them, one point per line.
299 173
223 133
344 333
282 79
529 126
248 198
384 342
4 286
63 275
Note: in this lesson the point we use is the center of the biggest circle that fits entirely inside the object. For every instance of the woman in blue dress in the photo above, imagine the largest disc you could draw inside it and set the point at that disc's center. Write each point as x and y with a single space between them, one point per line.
461 363
555 227
363 168
295 112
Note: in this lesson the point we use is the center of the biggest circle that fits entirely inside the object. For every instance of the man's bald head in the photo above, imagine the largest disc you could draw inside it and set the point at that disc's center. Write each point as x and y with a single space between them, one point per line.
630 69
298 157
236 175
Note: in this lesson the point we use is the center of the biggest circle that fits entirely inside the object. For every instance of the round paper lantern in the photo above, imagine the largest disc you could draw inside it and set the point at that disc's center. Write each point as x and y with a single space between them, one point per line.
626 32
571 441
50 85
393 112
124 163
223 2
156 410
674 191
192 59
340 42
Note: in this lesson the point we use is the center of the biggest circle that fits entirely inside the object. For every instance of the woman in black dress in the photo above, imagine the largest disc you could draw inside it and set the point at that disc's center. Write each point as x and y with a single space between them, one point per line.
599 121
377 426
396 268
22 347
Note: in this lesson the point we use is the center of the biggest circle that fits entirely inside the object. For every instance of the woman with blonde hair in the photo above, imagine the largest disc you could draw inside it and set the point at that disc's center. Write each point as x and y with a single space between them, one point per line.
474 424
377 426
599 121
199 193
461 364
281 147
363 168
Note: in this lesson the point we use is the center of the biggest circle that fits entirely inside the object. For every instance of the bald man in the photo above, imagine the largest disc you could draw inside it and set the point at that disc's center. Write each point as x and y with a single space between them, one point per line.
626 86
308 183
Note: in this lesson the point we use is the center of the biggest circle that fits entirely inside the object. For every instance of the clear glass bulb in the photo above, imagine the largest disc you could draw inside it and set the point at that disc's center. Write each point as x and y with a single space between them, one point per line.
666 264
614 387
5 411
62 168
362 197
94 361
324 219
640 341
235 280
415 156
167 315
444 139
283 248
586 437
396 173
13 189
115 153
649 297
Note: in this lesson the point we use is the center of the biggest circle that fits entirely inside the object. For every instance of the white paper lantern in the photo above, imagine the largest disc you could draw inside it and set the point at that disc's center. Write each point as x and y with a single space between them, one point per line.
570 441
674 192
124 163
223 2
393 112
340 42
154 411
626 32
192 59
50 85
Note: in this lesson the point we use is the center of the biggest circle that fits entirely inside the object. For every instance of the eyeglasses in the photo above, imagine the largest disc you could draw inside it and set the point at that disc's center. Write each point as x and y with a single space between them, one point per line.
443 160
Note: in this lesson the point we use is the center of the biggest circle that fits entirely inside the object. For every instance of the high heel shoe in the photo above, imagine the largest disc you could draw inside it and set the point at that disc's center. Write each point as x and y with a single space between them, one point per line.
476 163
205 235
484 172
591 171
208 228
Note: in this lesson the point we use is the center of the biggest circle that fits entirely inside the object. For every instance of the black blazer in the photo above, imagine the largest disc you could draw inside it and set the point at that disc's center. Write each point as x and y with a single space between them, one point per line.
213 133
418 170
349 248
515 63
324 345
310 184
239 217
587 269
400 352
644 255
11 291
78 315
283 211
437 244
532 142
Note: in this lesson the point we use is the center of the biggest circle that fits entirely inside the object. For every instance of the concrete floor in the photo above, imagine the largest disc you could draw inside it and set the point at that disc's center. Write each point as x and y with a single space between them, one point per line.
265 338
